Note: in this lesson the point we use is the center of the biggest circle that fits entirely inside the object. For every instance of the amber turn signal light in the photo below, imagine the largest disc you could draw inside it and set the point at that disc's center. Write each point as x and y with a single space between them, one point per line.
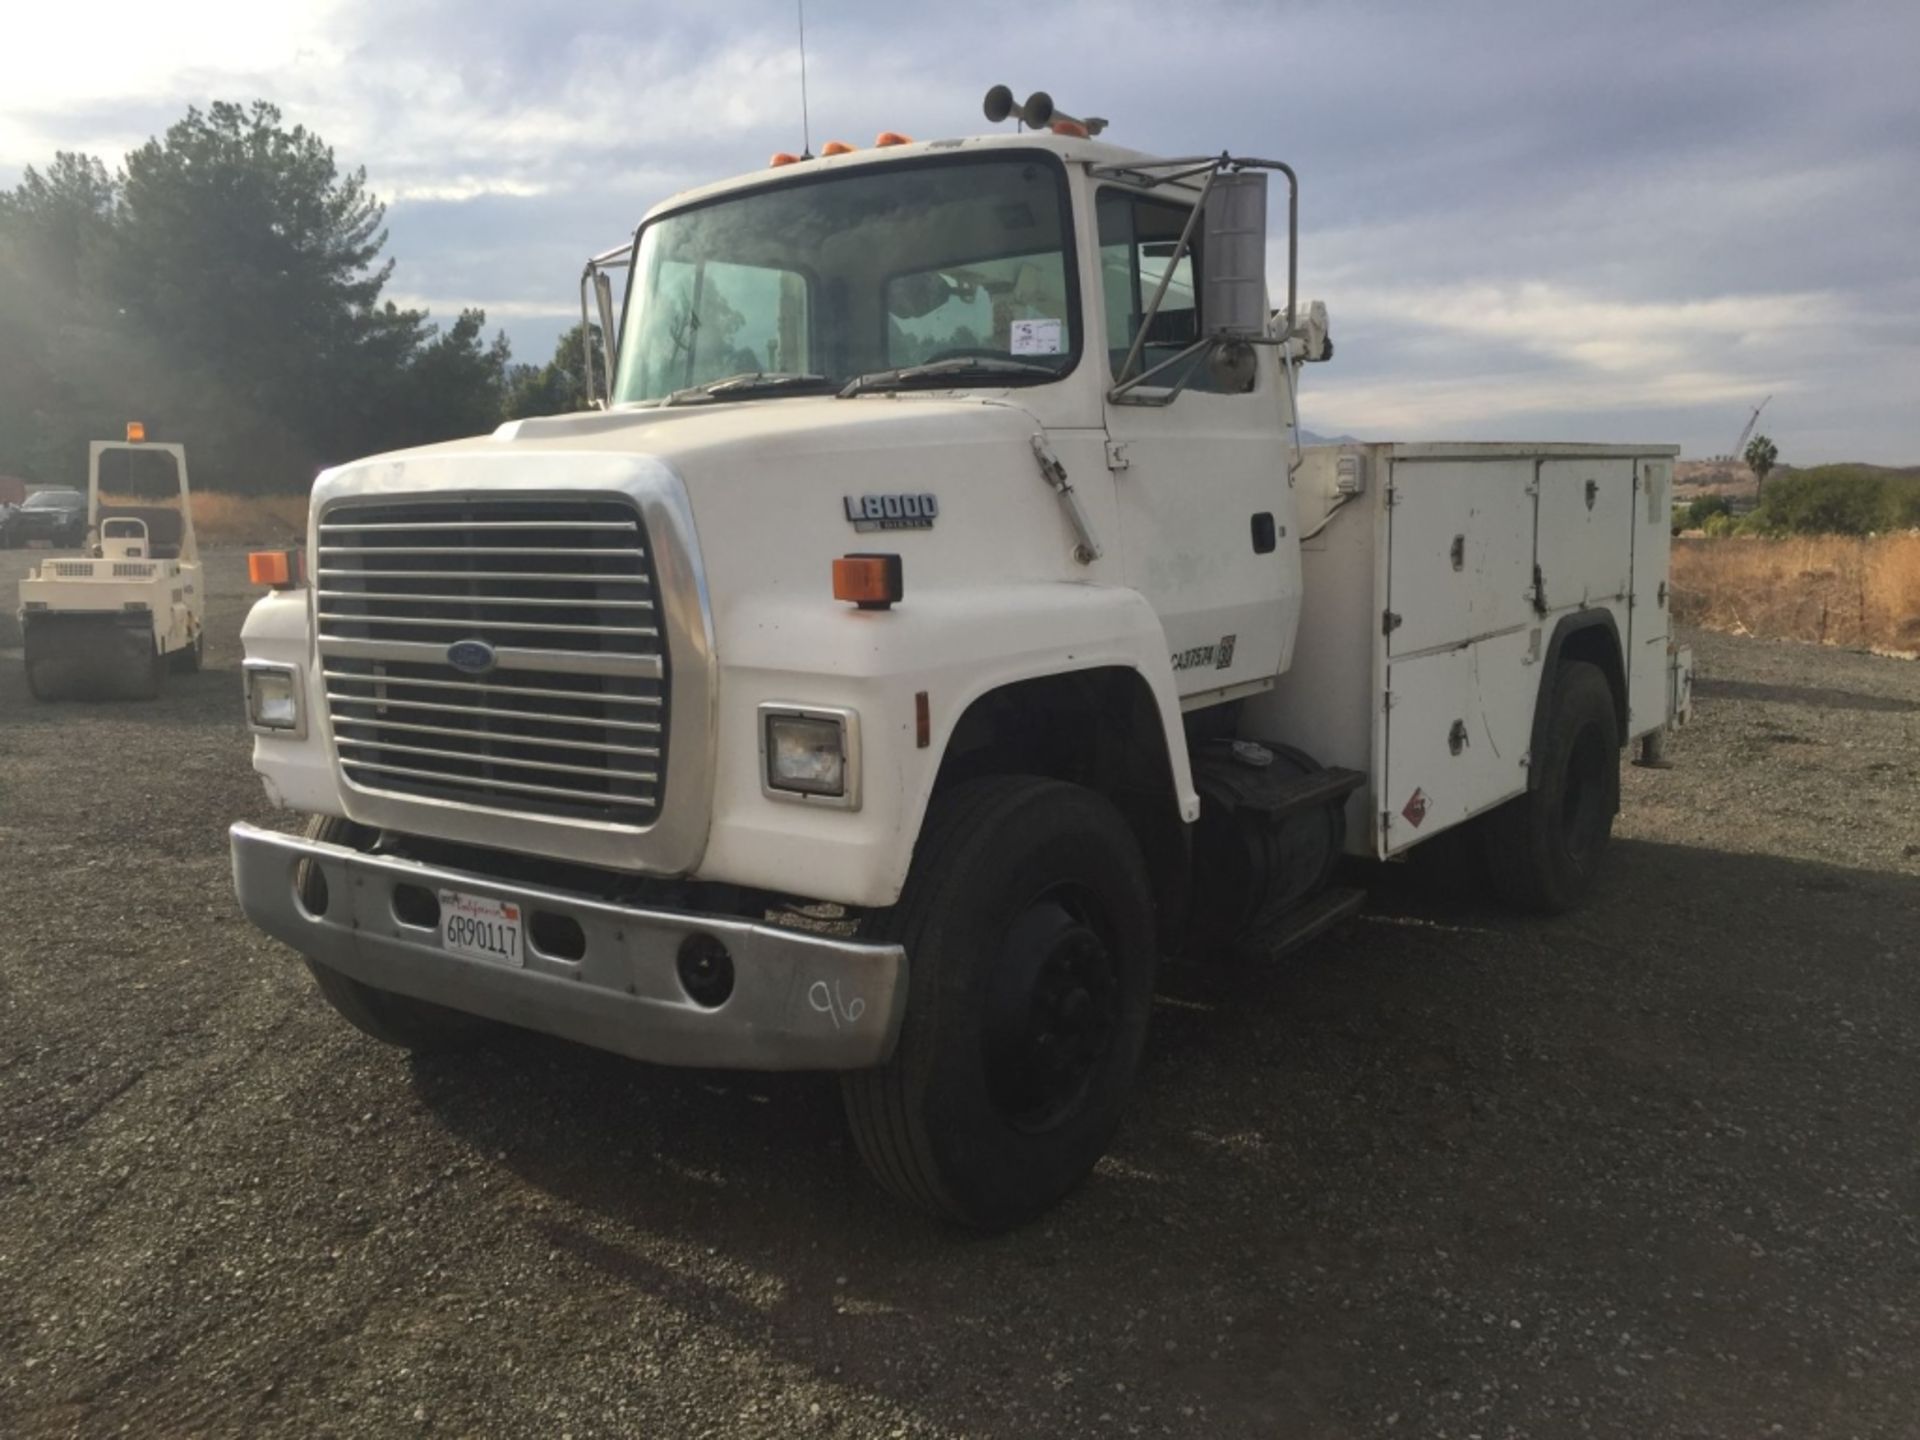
873 582
272 568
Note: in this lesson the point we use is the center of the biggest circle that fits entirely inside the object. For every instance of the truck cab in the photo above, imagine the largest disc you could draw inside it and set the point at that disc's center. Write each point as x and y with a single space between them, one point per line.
895 664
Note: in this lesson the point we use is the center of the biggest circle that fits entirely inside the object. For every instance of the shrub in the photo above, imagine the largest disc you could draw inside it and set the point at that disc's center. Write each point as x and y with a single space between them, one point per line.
1838 500
1696 514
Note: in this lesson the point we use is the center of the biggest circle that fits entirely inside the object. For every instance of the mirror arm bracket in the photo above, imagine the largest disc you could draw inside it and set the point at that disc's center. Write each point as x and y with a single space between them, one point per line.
597 276
1167 172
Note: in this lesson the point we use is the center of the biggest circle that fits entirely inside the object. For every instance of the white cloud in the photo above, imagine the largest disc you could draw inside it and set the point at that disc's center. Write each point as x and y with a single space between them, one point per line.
444 308
111 55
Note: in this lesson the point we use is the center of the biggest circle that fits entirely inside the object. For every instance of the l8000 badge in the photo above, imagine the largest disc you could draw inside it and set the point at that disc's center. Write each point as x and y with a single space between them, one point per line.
892 511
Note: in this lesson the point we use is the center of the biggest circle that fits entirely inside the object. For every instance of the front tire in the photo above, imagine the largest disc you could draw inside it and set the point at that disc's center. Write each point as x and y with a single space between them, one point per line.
1543 849
1029 940
408 1024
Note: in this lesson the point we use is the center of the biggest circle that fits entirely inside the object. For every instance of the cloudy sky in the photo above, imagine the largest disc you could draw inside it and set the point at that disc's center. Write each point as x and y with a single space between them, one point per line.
1528 220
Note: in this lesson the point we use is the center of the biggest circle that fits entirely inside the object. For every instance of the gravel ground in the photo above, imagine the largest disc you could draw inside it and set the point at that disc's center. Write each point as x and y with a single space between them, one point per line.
1650 1170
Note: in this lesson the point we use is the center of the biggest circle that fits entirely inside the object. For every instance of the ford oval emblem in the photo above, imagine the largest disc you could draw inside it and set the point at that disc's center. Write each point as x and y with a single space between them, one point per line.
471 657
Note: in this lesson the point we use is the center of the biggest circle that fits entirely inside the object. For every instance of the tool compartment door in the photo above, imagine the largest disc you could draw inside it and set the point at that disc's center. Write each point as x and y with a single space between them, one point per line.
1460 551
1585 547
1458 728
1650 624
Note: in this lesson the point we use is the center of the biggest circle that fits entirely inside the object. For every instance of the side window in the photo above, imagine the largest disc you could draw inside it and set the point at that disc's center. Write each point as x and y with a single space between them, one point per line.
719 319
1137 239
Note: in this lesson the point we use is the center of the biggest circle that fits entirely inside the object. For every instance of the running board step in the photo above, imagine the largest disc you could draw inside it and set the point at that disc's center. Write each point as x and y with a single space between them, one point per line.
1297 927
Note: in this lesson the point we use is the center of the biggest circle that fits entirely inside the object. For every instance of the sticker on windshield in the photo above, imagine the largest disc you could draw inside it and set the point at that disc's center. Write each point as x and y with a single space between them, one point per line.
1035 337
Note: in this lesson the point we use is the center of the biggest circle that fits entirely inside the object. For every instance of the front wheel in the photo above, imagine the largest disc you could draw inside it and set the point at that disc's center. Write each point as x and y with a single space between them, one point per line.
1543 848
1029 941
393 1019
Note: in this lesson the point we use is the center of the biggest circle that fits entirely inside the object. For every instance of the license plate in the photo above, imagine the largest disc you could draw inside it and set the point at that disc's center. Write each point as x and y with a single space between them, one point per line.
479 926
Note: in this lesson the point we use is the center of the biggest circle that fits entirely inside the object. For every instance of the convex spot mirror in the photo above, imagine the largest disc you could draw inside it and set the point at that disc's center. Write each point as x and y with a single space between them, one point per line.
1233 301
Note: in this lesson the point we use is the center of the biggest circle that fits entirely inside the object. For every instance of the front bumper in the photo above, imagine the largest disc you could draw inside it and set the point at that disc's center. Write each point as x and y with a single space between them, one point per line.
800 1001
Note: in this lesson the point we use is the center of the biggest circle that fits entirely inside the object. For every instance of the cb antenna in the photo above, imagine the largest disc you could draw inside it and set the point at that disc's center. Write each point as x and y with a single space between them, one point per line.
806 130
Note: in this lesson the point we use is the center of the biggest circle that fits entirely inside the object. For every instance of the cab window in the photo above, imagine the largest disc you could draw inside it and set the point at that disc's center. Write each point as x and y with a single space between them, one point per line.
1138 236
715 318
1014 305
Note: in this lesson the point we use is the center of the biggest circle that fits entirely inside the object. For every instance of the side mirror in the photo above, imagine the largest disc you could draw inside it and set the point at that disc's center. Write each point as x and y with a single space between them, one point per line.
1233 303
609 343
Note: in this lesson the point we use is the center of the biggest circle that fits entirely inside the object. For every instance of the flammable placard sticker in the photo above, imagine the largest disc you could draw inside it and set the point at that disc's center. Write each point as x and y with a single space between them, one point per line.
1416 808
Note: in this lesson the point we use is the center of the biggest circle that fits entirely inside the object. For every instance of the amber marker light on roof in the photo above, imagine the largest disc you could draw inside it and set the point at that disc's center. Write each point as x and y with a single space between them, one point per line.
873 582
136 432
836 147
892 137
781 157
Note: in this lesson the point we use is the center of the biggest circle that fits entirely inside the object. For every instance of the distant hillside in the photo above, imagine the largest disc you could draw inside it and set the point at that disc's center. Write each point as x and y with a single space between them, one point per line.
1695 478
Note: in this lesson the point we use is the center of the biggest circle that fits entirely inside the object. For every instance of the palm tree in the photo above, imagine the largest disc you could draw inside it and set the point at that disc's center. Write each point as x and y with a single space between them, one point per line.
1761 453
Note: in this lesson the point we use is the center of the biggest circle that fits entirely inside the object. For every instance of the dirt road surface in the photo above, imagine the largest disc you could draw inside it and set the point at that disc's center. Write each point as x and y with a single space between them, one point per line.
1646 1171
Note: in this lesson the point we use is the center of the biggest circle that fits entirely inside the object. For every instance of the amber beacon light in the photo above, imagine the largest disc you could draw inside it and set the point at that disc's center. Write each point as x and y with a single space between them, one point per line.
873 582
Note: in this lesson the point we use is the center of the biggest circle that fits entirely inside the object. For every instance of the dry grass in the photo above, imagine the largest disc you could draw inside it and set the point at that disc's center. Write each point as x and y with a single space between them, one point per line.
220 519
249 519
1831 588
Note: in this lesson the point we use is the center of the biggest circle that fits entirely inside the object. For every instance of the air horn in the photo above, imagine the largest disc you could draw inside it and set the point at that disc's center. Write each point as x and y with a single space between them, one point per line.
1037 114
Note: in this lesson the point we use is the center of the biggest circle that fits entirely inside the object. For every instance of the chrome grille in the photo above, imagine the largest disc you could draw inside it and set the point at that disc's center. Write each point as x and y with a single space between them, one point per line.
571 722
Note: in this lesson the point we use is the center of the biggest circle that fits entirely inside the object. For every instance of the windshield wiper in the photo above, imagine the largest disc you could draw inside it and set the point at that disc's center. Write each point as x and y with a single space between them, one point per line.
746 383
957 365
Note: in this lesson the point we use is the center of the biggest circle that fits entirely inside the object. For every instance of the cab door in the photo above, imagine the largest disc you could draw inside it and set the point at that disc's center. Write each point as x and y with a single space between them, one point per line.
1205 509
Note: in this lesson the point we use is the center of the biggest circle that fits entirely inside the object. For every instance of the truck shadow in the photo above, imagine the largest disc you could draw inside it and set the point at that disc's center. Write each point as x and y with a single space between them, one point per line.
1435 1095
1817 696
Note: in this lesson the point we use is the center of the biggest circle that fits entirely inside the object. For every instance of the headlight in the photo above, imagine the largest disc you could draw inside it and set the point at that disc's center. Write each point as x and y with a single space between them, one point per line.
811 754
273 699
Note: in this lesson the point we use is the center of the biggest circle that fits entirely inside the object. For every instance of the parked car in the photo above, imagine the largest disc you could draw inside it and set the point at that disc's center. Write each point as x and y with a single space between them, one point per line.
56 516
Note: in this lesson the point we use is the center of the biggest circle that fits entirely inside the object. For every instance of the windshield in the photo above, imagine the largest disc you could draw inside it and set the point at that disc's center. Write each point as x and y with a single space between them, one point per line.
54 500
856 272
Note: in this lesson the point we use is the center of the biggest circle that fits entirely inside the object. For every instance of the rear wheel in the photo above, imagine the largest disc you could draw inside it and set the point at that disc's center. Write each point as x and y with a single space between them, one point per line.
1029 939
1543 848
399 1020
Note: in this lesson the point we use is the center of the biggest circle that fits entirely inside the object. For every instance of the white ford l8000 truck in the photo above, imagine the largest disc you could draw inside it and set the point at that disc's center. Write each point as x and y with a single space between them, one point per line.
937 621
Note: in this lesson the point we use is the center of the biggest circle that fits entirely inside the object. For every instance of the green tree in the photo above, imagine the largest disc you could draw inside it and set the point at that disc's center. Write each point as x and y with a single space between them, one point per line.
241 240
1838 500
1760 457
226 288
454 385
559 386
59 221
1702 509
